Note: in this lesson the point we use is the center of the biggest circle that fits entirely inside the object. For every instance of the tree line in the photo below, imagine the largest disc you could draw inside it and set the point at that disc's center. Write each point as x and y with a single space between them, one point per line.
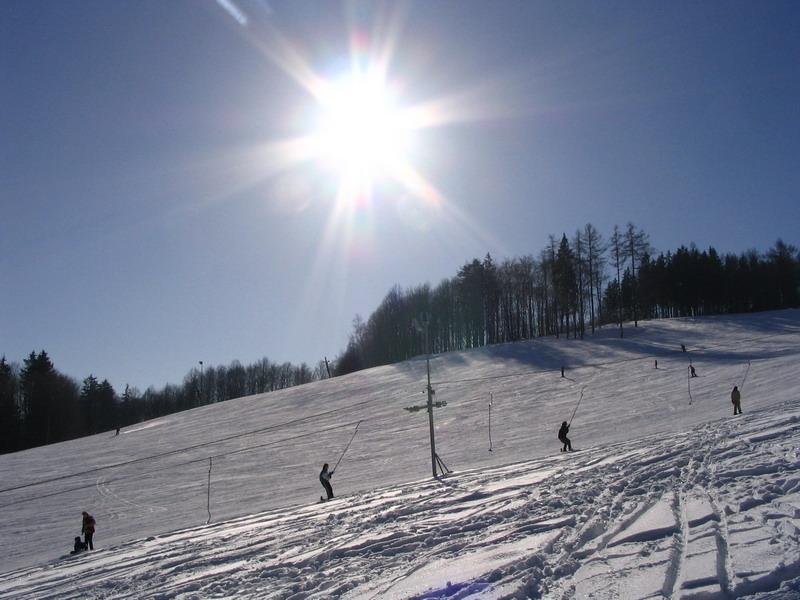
40 405
570 288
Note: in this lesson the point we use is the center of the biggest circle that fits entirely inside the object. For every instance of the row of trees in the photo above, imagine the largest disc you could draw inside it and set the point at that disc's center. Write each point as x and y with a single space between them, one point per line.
558 293
39 405
566 290
570 288
691 282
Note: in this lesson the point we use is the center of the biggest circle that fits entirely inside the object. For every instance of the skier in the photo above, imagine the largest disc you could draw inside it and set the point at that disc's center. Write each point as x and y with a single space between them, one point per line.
325 480
79 546
691 370
562 436
88 529
683 347
736 399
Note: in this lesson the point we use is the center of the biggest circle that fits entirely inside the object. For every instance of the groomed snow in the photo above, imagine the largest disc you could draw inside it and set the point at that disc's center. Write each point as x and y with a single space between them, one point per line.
663 499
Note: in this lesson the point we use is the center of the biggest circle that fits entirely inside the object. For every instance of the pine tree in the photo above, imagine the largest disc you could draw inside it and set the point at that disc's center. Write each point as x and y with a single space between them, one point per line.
37 388
10 423
107 406
565 282
785 272
90 404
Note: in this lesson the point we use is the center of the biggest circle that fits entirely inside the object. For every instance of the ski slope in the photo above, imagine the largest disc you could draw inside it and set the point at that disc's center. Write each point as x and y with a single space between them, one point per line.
664 498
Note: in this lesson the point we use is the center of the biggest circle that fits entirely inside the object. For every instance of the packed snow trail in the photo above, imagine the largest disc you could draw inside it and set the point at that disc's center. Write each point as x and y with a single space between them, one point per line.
267 450
708 513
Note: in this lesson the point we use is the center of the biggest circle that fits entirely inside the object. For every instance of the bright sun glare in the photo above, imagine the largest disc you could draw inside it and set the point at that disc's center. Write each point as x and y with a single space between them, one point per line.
362 133
361 145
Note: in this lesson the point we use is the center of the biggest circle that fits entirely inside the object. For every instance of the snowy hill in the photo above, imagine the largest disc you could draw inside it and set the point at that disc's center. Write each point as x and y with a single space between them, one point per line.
665 498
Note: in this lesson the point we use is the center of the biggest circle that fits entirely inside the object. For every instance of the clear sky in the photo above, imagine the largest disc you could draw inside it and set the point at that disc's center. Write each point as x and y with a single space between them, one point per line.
177 185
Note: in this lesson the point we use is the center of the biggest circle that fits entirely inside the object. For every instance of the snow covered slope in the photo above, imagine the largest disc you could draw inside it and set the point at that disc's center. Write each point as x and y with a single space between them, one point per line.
664 497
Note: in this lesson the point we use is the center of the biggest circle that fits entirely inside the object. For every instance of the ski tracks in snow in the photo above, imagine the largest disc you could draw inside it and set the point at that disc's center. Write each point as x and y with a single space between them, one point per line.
711 513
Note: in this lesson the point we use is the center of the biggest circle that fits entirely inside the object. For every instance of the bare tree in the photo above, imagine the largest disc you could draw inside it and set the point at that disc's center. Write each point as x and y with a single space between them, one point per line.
637 244
619 256
595 263
552 268
580 267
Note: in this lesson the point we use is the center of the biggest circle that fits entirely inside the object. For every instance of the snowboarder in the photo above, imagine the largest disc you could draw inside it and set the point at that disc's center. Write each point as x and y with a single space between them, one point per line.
736 399
692 371
88 529
562 436
325 480
79 545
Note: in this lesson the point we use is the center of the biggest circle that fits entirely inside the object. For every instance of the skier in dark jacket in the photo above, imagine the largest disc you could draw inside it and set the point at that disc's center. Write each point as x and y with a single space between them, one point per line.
88 529
736 400
325 480
562 436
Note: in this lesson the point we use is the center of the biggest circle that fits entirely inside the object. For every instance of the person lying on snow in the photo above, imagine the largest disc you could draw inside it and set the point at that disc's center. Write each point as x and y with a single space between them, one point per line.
79 545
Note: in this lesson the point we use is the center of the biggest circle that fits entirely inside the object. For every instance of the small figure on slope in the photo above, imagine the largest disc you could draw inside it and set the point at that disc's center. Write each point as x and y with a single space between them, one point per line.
736 399
88 529
692 371
562 436
325 480
79 546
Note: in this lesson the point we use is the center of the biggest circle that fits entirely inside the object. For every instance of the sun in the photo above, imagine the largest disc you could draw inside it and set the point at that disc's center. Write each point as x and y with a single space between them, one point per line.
362 133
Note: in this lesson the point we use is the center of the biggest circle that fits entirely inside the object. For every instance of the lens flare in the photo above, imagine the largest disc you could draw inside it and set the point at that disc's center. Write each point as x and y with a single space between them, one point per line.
362 132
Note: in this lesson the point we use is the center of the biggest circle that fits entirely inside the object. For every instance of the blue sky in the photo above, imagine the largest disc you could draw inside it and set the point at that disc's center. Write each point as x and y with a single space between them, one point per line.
147 223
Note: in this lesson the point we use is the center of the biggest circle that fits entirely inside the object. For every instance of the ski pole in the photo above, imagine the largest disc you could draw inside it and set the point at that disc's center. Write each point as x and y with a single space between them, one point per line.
346 447
576 406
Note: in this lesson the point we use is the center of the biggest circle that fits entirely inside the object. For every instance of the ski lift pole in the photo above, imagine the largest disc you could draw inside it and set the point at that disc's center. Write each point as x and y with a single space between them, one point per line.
422 325
746 371
491 397
689 383
346 447
430 413
576 406
208 497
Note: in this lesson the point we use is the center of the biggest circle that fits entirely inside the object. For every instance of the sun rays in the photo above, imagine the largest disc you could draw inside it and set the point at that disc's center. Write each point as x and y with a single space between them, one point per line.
357 127
356 145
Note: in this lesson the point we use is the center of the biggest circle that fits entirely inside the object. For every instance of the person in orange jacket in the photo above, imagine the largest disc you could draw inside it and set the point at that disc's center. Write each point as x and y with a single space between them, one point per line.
88 529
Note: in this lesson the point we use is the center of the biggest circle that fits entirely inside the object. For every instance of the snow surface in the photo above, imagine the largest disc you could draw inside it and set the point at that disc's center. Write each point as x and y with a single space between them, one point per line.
664 498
